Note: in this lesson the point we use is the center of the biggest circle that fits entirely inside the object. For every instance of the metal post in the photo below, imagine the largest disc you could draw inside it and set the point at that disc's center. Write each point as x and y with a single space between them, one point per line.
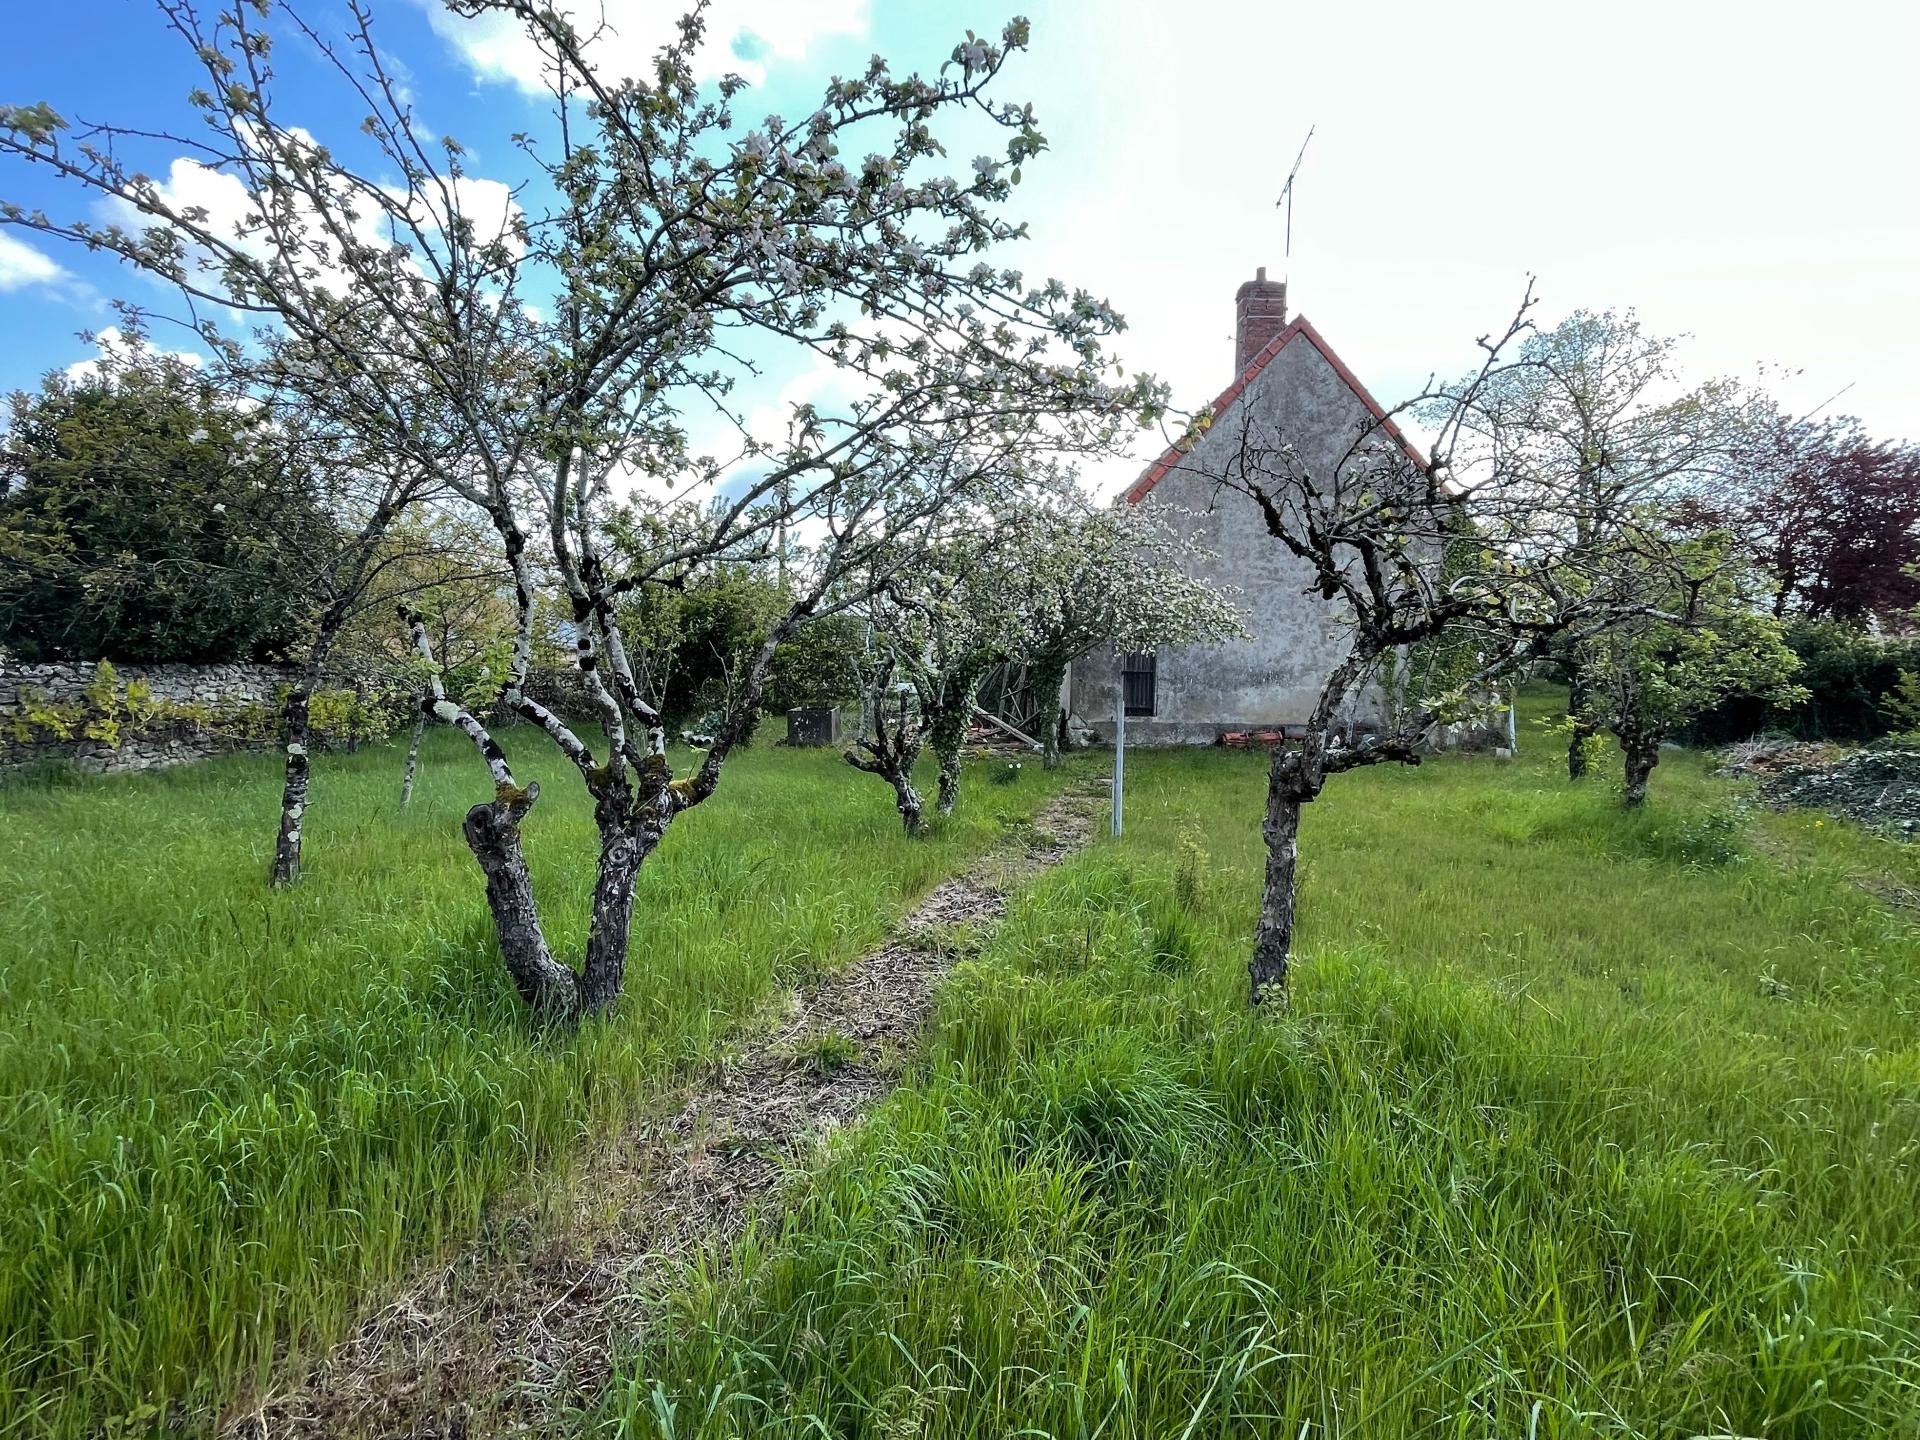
1119 743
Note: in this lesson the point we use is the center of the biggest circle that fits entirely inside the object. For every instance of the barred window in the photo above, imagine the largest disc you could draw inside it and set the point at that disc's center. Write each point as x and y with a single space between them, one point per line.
1137 673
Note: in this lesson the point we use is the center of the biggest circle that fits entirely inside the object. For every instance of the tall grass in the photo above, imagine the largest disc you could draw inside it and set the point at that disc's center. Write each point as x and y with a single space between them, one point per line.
225 1113
1581 1123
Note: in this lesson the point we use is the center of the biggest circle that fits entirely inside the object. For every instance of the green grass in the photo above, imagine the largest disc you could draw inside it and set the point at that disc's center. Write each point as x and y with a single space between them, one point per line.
1581 1123
226 1113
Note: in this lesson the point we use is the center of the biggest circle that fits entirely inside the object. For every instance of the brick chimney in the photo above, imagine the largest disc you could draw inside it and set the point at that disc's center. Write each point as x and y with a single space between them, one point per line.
1259 314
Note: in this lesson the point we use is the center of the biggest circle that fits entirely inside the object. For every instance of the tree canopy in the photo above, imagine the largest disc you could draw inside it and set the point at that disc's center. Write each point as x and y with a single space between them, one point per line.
1834 516
144 517
1699 633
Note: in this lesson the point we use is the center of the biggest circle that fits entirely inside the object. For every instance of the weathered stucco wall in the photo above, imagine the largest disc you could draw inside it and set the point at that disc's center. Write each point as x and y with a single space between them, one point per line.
1273 678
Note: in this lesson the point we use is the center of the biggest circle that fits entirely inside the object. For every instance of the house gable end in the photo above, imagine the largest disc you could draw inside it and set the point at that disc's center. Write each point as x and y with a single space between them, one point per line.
1299 328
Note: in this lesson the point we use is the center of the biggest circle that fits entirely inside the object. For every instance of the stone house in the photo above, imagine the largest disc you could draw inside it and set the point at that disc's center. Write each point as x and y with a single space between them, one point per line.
1270 681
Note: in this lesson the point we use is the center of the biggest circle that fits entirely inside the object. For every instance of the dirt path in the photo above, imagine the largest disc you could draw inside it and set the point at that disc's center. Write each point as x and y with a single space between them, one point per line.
525 1322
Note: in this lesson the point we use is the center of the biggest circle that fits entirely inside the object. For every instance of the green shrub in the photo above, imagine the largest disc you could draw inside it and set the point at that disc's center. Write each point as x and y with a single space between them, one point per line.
1853 683
1704 838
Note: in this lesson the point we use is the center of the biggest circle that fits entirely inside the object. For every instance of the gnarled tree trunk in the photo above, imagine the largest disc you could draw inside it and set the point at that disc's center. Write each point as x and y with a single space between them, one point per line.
493 834
629 833
1047 679
1640 752
947 730
297 714
1289 787
907 801
949 782
891 755
297 735
553 990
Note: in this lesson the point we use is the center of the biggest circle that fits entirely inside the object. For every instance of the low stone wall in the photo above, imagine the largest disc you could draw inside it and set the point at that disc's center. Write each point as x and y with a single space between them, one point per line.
153 750
218 689
66 682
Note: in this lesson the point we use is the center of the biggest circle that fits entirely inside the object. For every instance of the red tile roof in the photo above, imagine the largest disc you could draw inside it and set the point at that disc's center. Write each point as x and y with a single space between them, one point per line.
1157 471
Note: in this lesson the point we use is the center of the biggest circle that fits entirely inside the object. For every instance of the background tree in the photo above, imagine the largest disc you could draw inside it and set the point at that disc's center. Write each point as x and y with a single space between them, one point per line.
442 564
1379 537
893 731
689 645
818 665
943 622
157 510
1596 412
1705 636
1849 678
931 633
1080 578
720 619
145 516
1834 517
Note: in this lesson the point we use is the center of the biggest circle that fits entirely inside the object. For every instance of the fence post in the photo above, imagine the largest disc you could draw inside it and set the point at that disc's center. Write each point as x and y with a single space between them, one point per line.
1119 742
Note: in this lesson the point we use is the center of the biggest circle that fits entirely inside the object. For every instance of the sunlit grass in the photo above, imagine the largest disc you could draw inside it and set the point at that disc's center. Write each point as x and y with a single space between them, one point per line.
225 1112
1581 1123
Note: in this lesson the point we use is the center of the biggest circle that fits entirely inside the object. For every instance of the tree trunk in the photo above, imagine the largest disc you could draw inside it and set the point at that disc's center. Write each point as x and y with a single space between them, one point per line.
628 835
297 723
947 733
898 773
947 728
610 927
949 782
907 802
1583 729
1046 691
1640 754
550 989
413 756
892 755
1273 936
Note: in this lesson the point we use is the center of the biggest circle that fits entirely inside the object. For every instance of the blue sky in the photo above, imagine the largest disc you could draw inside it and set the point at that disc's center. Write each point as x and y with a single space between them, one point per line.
1745 174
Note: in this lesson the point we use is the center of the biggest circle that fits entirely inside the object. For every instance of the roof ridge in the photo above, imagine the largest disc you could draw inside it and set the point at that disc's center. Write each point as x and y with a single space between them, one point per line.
1299 325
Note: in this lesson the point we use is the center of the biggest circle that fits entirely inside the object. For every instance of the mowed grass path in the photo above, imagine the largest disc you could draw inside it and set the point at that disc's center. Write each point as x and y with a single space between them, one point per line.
1576 1127
226 1113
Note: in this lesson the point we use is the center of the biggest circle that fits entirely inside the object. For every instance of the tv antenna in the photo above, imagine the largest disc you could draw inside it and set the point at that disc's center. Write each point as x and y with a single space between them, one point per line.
1286 190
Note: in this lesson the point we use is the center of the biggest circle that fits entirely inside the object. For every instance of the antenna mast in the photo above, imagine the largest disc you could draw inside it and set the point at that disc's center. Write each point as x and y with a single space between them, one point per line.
1286 194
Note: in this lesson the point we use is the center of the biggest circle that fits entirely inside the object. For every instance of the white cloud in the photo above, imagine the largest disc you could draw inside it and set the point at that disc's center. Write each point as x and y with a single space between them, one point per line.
1745 183
829 388
742 36
114 346
230 210
22 266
